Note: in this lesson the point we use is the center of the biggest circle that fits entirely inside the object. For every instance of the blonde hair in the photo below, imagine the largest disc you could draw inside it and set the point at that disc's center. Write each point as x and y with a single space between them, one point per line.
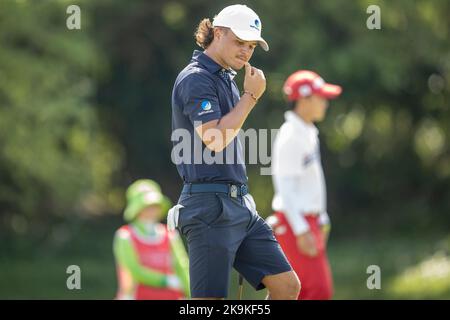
204 34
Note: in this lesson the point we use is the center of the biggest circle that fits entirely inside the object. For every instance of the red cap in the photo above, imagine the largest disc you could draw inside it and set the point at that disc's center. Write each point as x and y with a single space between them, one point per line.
304 83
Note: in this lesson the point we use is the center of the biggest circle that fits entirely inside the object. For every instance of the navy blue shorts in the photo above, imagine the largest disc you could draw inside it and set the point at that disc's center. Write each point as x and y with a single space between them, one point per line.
224 232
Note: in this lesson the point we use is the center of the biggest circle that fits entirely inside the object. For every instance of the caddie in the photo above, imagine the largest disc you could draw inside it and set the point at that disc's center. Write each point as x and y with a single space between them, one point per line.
151 262
300 222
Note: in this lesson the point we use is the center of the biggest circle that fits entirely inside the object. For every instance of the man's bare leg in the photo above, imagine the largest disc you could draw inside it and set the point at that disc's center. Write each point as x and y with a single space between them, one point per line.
282 286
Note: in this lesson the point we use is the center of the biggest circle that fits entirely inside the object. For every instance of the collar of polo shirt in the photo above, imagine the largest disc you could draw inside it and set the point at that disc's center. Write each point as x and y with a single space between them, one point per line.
210 64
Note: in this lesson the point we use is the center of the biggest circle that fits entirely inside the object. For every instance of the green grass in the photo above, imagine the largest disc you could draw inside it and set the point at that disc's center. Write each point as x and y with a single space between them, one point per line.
410 268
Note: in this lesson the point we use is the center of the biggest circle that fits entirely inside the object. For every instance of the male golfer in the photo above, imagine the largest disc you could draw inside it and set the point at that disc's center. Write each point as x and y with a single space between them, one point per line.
215 212
301 222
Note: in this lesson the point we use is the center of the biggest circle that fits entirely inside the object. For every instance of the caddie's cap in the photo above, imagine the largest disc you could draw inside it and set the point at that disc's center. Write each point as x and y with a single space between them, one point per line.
305 83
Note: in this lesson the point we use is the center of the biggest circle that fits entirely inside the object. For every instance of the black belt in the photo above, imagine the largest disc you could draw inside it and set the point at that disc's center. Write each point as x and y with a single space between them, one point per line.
233 190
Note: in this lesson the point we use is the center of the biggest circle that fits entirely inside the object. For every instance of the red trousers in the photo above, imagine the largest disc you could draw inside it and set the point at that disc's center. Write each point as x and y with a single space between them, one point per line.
314 272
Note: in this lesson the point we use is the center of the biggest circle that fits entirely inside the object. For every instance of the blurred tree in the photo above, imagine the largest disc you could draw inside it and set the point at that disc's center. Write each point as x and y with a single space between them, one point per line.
55 159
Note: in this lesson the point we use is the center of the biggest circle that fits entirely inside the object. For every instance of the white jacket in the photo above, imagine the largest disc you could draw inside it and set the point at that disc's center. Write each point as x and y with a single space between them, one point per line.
297 173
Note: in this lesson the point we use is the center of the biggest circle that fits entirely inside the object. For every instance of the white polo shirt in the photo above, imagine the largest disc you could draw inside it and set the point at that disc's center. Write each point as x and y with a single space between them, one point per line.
297 173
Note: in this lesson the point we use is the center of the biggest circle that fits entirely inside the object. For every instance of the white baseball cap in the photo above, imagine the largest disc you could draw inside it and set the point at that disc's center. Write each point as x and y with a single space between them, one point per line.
244 23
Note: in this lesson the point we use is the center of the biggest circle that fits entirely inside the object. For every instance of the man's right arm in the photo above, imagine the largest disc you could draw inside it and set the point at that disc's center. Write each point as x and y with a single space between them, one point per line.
218 134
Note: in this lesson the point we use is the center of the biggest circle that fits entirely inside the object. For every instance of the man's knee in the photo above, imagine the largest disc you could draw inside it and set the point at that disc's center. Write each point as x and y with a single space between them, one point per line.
285 286
293 287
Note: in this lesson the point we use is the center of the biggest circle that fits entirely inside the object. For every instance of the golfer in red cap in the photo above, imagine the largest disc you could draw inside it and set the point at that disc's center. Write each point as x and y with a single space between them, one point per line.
300 222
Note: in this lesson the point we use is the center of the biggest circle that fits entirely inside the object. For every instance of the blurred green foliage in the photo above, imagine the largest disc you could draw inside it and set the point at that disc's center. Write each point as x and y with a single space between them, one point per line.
56 159
85 112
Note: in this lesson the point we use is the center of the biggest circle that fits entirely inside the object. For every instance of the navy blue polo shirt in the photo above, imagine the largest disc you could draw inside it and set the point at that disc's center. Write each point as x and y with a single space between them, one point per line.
203 92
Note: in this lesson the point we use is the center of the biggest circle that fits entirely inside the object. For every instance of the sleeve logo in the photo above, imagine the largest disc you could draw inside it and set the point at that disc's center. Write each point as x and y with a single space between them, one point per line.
206 105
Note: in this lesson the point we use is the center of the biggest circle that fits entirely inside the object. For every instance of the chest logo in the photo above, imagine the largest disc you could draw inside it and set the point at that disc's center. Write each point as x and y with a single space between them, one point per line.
311 158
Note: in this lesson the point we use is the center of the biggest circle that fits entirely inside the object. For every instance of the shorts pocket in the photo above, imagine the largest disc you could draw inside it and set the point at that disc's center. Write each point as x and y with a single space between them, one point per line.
204 208
212 212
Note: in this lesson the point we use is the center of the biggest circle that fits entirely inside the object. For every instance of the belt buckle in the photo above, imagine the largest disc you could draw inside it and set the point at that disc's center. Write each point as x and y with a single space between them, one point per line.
233 191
